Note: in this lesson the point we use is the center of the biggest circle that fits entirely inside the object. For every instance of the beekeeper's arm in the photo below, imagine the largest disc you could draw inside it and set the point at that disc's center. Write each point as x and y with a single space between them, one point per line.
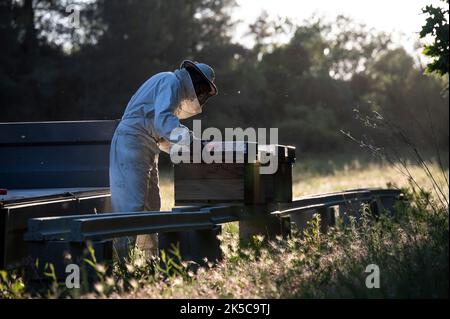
166 124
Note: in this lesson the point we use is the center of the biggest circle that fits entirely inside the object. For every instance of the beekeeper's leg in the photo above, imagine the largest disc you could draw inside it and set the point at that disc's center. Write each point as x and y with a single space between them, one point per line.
130 167
149 243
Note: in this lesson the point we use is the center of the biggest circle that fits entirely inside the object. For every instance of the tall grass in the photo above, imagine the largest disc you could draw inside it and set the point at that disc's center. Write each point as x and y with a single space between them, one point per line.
411 250
398 148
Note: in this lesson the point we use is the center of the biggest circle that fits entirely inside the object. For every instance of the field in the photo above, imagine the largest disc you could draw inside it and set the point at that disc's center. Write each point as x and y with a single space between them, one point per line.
331 265
411 250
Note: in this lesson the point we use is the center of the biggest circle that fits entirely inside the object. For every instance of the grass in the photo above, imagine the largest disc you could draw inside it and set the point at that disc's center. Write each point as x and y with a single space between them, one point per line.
411 250
332 174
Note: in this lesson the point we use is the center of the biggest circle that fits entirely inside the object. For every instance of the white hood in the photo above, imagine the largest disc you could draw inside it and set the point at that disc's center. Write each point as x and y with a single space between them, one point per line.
189 105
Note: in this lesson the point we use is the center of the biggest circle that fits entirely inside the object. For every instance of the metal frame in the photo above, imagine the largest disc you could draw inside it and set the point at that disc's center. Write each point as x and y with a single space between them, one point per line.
77 228
194 228
16 213
63 154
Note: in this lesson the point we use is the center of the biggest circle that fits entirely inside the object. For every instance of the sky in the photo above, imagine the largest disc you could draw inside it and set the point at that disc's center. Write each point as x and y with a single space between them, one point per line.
403 18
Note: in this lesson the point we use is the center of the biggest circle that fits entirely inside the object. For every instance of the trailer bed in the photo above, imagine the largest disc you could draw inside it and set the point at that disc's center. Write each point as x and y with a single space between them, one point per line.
21 196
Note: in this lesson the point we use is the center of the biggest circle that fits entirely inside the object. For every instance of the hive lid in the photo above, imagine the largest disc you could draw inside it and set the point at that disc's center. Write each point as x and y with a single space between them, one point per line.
240 151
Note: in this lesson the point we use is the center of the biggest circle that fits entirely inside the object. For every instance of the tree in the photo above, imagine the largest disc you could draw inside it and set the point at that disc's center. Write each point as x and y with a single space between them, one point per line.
307 86
437 26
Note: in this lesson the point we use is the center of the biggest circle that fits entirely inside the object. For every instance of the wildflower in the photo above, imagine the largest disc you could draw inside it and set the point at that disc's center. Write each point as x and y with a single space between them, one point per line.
133 283
100 268
110 281
130 267
178 281
99 288
139 262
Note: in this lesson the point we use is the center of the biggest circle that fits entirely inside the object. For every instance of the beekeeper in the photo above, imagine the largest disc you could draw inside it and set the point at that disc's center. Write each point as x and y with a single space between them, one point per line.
151 115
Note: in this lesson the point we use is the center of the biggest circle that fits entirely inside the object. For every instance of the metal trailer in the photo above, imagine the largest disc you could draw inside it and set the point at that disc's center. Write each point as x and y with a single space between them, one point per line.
194 228
56 174
207 195
50 169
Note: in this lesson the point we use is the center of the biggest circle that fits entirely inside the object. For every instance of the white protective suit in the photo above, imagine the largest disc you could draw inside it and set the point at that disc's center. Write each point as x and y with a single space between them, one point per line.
149 118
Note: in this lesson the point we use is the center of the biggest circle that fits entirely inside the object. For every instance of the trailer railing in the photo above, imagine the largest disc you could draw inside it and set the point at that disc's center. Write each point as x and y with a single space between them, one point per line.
190 223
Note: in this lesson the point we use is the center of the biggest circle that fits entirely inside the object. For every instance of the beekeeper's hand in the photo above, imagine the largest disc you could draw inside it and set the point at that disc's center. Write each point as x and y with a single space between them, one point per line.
164 145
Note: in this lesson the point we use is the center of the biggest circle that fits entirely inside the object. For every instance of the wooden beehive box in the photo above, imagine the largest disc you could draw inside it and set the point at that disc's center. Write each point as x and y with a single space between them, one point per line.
278 186
239 182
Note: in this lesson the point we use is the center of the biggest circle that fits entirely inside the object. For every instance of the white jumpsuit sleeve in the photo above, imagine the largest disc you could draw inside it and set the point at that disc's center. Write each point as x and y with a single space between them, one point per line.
167 98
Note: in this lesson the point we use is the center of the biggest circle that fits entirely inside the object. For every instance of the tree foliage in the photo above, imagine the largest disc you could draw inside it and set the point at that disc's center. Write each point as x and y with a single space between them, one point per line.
307 86
437 26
